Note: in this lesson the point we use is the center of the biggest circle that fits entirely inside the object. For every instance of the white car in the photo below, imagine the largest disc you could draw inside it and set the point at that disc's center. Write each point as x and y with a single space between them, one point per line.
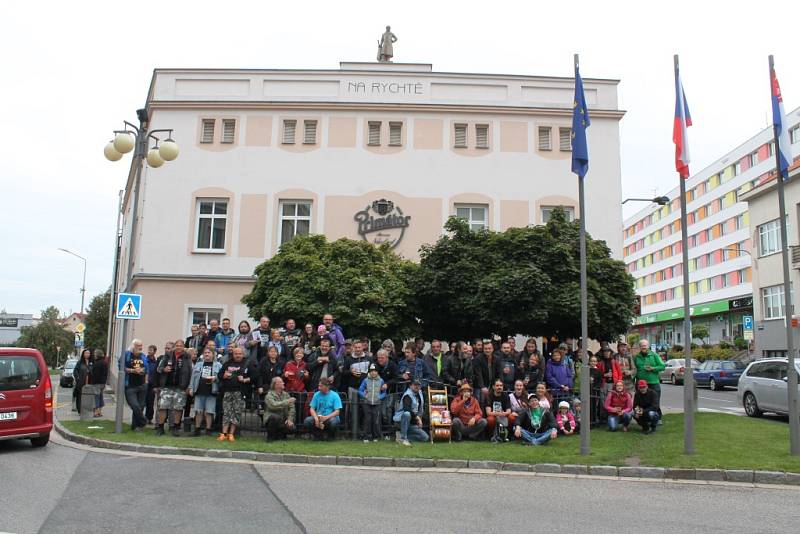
763 387
675 369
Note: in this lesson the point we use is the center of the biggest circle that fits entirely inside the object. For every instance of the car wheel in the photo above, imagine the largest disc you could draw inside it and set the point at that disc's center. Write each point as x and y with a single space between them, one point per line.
673 380
713 385
41 441
751 406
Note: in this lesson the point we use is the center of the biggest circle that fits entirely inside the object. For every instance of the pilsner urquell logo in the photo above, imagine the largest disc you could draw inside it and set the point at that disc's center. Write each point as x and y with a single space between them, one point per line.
387 225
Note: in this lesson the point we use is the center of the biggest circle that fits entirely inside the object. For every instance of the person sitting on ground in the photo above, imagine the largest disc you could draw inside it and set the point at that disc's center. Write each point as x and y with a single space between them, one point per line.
619 407
412 368
498 410
565 421
576 411
558 375
545 399
204 387
409 411
175 373
468 420
279 414
645 407
325 408
235 376
536 425
518 400
372 394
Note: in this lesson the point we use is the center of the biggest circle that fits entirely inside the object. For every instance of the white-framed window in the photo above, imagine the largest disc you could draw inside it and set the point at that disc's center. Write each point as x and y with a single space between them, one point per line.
395 134
547 211
289 130
544 138
754 159
772 301
460 136
737 168
207 135
481 136
310 132
203 316
565 139
228 131
769 238
476 215
794 135
212 222
374 138
740 222
771 148
295 219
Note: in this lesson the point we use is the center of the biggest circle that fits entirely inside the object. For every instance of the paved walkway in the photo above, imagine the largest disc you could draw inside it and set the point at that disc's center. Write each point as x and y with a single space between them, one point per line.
64 406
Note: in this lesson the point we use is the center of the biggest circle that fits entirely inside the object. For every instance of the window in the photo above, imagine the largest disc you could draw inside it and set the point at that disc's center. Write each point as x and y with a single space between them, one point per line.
740 222
374 138
565 139
477 216
481 136
204 315
547 211
771 148
228 131
309 132
769 238
794 134
395 134
295 219
208 131
772 301
461 136
737 168
544 138
753 159
18 372
289 127
212 219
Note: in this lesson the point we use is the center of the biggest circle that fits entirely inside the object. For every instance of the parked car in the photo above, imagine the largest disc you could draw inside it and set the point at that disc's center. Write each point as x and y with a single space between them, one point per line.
762 387
674 370
67 380
716 374
26 396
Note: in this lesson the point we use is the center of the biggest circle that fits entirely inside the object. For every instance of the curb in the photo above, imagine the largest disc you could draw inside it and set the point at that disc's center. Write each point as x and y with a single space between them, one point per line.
479 466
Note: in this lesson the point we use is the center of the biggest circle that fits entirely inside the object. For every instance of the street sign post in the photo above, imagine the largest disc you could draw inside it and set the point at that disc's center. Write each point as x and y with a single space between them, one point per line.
747 327
129 306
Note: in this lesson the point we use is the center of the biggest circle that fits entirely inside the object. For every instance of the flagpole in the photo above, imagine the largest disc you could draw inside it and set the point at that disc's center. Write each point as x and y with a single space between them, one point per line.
585 392
788 309
688 377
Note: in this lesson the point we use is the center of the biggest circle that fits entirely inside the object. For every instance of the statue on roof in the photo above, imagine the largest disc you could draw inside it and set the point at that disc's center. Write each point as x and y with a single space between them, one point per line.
385 48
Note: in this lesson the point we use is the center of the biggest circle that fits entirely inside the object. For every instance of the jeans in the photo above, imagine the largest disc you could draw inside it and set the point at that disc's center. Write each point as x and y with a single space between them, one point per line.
615 420
408 431
135 396
330 426
461 430
648 419
657 389
150 401
372 421
535 439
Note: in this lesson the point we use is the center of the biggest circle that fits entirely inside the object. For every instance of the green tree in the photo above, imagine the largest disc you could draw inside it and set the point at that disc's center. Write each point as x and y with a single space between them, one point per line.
47 337
366 288
700 331
521 281
96 334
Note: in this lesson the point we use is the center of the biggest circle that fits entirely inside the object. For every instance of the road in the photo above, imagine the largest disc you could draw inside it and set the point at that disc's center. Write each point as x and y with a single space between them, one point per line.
723 401
66 488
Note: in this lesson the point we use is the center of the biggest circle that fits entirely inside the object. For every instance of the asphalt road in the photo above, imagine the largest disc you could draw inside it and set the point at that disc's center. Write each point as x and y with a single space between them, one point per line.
61 489
723 401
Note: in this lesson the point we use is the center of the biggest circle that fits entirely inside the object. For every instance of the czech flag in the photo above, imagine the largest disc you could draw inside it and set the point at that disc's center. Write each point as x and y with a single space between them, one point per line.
781 132
679 135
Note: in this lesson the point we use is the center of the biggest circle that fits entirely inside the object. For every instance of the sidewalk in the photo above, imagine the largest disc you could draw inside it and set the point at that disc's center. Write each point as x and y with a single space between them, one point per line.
64 411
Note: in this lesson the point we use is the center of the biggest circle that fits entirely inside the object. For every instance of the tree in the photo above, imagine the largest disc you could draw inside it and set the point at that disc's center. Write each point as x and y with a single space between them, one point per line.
521 281
700 331
366 288
47 336
96 334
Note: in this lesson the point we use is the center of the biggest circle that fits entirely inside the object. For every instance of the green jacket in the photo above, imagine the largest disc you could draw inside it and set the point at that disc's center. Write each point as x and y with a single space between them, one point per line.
652 359
282 405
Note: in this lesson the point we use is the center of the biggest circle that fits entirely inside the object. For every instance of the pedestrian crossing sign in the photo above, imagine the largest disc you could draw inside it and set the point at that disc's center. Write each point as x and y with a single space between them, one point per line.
129 306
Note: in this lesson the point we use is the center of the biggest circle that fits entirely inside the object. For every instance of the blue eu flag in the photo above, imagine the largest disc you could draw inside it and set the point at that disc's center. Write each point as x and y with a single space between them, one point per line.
580 121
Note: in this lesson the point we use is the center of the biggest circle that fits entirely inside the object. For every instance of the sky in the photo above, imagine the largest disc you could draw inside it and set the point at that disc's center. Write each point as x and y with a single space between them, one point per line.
71 75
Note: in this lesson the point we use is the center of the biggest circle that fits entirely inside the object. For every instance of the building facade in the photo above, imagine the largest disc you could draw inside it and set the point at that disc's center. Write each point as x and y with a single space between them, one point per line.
720 238
11 326
374 151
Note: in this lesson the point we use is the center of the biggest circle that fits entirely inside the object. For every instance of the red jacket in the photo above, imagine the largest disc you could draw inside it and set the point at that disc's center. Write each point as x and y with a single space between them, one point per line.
293 381
616 371
618 400
459 409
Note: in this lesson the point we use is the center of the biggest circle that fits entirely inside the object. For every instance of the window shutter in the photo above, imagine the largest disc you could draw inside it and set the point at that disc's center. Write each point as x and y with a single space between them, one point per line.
289 127
208 131
482 136
395 134
565 139
461 136
374 133
310 133
544 138
228 130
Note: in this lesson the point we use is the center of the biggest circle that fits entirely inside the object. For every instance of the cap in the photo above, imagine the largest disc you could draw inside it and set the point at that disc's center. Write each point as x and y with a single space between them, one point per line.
641 384
348 342
532 396
563 346
372 367
465 387
321 329
563 404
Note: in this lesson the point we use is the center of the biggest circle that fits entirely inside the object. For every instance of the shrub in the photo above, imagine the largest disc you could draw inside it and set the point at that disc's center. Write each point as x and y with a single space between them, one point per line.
740 343
724 345
633 338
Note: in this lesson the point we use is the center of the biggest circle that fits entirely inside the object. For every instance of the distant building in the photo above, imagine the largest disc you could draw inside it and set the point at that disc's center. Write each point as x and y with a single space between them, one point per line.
71 321
11 326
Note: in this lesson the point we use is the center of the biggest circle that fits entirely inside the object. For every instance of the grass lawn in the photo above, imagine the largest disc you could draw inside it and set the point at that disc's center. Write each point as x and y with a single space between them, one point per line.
722 441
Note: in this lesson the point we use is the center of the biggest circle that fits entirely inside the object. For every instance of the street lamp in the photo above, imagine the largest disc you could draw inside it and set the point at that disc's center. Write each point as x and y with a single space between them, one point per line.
661 201
136 139
83 288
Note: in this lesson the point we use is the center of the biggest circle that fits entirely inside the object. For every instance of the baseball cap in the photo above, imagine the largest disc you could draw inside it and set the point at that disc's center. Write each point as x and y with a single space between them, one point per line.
641 384
372 367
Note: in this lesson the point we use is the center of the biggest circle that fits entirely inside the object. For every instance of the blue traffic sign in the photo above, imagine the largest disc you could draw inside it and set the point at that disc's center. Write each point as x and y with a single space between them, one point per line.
129 306
747 322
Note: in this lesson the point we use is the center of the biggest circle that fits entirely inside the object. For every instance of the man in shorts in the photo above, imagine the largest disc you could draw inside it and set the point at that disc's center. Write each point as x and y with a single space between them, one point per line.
174 374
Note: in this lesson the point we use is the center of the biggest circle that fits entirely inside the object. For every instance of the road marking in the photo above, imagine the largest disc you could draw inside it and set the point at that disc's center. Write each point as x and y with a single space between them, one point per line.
717 399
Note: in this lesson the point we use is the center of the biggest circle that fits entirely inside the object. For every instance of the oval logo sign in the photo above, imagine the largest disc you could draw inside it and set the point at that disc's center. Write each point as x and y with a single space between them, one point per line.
382 222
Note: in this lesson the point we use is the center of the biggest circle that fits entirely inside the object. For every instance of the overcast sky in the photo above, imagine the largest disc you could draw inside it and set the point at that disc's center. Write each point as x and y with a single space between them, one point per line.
71 74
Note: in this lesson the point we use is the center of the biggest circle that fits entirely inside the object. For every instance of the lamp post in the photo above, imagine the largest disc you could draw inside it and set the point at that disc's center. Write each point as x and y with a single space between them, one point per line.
136 139
83 287
661 201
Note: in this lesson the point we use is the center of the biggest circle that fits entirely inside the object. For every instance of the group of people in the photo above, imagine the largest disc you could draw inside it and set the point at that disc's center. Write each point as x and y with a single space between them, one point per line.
90 369
295 379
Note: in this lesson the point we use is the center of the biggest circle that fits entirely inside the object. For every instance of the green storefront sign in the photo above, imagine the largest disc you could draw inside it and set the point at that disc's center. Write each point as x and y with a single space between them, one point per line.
697 310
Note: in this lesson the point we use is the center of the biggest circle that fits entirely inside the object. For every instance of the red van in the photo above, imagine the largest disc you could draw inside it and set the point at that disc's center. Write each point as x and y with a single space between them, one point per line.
26 396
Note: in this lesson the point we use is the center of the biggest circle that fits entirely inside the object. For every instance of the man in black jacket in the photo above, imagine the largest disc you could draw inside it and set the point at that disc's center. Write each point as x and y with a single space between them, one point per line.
460 369
645 407
535 426
322 363
174 374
